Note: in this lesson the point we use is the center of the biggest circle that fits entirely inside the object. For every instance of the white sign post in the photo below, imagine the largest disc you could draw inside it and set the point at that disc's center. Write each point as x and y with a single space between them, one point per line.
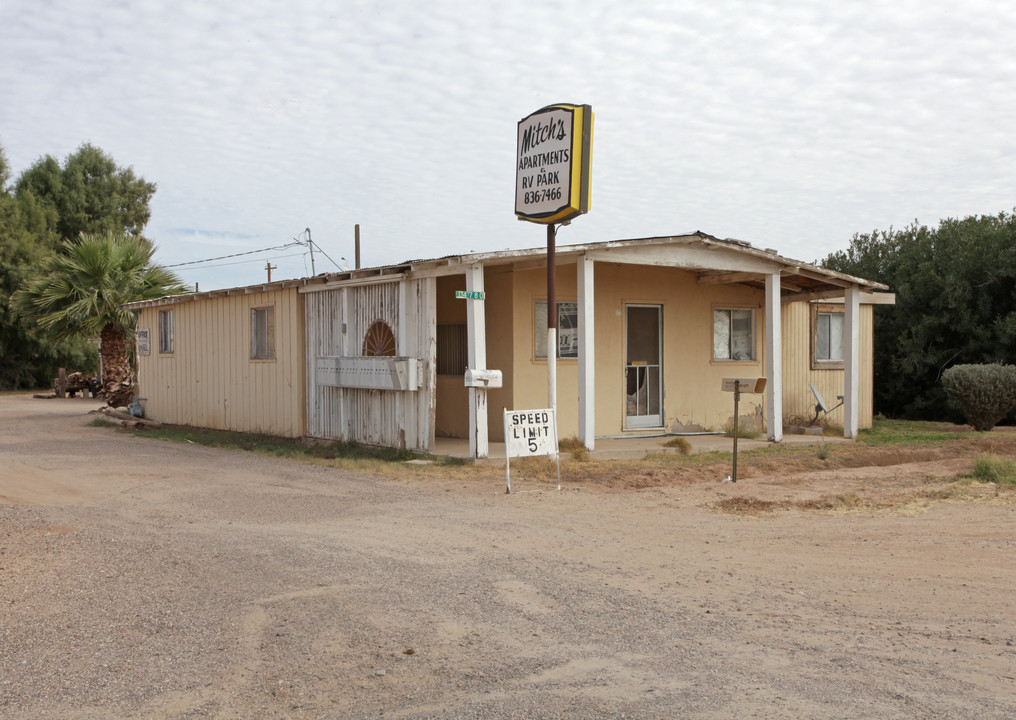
528 433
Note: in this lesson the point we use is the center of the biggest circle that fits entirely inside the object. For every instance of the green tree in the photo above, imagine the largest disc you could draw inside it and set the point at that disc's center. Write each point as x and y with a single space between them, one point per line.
955 291
89 193
49 202
26 360
80 292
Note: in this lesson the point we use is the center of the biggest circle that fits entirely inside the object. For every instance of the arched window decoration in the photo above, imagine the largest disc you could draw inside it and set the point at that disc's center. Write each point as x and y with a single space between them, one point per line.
379 340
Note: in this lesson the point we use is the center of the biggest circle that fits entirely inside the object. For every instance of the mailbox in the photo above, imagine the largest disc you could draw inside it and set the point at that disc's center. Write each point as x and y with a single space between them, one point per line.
745 385
479 378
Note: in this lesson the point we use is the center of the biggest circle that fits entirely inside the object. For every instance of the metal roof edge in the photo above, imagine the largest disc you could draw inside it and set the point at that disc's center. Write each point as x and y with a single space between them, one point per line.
504 256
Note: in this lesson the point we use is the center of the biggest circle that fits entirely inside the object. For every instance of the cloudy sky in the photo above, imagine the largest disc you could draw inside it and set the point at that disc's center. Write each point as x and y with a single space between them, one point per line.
790 124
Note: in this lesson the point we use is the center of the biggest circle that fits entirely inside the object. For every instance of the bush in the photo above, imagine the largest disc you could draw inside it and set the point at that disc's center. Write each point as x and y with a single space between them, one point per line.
999 470
680 444
983 393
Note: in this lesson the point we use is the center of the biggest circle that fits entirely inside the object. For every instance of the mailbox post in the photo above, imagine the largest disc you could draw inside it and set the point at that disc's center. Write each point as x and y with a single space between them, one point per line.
738 386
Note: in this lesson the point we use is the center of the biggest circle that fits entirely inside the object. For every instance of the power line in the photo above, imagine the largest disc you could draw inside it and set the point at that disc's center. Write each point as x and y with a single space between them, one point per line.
308 243
226 257
240 262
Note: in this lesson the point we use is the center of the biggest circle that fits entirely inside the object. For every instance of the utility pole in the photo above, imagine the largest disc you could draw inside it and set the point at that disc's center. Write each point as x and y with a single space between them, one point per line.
310 244
269 267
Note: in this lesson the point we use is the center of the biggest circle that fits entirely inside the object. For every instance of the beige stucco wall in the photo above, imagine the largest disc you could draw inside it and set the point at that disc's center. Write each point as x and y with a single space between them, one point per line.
210 380
692 401
499 285
452 410
691 378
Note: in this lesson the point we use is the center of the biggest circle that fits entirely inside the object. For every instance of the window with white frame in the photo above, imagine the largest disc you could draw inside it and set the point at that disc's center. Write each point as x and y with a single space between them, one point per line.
166 331
262 333
827 337
733 334
567 329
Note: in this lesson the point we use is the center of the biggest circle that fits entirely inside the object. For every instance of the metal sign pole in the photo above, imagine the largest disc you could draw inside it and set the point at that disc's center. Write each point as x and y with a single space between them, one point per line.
736 385
507 456
557 447
552 318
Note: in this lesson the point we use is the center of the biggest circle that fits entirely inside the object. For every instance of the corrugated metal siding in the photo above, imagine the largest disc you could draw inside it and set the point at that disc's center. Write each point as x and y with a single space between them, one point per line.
798 401
210 380
375 417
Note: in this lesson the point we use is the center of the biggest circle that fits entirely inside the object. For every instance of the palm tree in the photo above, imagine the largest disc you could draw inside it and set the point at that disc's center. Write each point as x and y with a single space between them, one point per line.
80 292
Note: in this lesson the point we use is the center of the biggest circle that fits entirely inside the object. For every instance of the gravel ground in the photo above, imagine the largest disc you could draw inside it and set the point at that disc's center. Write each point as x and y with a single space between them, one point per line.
140 579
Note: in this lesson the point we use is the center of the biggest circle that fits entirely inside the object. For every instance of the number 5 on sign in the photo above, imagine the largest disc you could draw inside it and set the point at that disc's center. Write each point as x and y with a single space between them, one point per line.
530 432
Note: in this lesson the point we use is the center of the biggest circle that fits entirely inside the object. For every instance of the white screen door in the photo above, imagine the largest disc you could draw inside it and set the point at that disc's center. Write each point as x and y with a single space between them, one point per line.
643 366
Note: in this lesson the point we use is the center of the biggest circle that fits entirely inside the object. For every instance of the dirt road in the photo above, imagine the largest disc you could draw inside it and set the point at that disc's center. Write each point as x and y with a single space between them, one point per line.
141 579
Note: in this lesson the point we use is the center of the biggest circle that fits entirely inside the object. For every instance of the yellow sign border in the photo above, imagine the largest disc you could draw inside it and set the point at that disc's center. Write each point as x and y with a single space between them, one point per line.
580 165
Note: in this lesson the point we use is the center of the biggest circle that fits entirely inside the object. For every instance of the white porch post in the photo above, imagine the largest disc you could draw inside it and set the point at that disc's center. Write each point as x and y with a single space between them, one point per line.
587 355
477 359
851 360
774 358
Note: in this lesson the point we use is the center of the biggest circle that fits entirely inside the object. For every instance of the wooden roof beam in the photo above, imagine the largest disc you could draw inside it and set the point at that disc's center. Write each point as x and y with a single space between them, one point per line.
729 277
814 295
744 277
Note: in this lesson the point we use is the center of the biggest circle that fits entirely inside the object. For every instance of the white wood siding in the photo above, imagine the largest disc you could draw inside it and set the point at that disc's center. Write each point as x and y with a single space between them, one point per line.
337 321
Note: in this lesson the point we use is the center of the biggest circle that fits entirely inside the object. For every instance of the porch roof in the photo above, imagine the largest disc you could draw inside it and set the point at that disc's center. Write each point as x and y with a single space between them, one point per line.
714 260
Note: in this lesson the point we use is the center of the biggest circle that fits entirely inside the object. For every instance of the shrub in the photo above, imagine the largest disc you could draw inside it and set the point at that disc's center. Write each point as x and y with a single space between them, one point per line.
999 470
983 393
680 444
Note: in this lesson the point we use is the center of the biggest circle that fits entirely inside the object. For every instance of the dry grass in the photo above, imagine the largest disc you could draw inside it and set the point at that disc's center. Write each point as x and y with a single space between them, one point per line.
785 467
680 444
573 446
888 501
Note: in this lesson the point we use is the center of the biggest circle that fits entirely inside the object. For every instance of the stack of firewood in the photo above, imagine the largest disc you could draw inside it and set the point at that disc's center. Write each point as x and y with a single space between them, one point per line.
71 383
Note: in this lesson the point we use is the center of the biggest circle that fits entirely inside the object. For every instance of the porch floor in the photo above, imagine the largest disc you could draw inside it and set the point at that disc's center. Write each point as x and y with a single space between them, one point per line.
638 446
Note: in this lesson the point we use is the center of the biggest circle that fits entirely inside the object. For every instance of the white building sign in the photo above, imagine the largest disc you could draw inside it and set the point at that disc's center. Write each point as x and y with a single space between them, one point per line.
144 341
552 171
